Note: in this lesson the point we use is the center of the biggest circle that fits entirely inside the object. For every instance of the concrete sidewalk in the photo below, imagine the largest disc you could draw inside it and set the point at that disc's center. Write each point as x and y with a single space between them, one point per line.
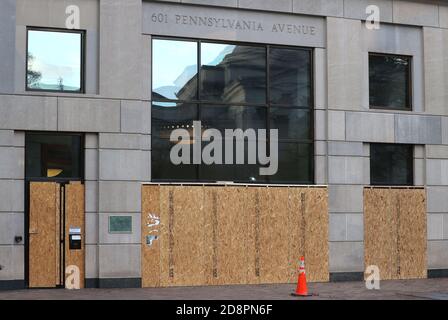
433 289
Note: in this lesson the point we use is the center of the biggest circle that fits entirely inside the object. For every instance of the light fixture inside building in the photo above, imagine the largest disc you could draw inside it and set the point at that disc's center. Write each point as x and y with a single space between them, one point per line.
51 173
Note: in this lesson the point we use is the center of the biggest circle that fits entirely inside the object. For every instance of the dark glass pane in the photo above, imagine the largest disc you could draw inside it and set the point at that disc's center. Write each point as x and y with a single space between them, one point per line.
233 117
248 173
391 164
290 77
162 166
54 60
389 81
174 69
167 117
294 163
233 74
291 123
53 156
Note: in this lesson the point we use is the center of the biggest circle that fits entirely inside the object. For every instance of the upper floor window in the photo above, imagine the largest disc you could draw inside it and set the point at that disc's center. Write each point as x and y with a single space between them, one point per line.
54 155
232 86
55 60
391 164
390 81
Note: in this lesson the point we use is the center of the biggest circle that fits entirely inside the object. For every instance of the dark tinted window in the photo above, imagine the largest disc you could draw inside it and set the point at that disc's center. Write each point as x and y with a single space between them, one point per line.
389 81
291 123
53 156
391 164
233 88
295 162
290 77
233 117
55 60
233 73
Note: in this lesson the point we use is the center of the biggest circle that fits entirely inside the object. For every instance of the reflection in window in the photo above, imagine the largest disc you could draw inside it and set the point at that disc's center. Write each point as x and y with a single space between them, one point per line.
53 156
291 123
54 61
389 81
233 87
233 117
174 70
290 77
231 73
391 164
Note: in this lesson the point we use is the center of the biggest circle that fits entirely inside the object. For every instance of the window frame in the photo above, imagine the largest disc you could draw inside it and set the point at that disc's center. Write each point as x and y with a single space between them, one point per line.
410 98
82 152
83 34
311 108
411 168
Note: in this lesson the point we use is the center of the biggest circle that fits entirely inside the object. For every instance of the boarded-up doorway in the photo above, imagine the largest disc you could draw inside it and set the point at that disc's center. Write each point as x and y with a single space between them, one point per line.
56 232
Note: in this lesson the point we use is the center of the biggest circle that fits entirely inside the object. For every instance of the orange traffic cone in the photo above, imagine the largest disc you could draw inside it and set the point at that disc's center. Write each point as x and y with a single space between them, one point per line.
301 290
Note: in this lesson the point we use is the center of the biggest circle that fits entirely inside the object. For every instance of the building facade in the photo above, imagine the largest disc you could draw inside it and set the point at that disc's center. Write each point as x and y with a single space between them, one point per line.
355 106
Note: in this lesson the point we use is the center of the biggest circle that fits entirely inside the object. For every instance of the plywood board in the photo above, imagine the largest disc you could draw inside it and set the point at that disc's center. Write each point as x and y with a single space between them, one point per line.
75 218
252 212
188 232
183 237
412 234
150 229
43 210
274 235
232 226
166 257
297 230
380 216
395 232
220 235
316 238
59 276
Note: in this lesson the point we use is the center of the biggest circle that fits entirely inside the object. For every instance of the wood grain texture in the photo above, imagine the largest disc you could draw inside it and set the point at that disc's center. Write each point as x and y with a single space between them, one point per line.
252 212
274 235
188 236
75 218
232 226
316 238
412 229
395 232
57 238
380 216
221 235
42 235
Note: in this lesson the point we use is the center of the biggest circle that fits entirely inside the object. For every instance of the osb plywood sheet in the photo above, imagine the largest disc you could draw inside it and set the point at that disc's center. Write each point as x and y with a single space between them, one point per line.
75 218
150 228
216 235
296 229
42 230
274 235
232 226
58 277
380 234
308 229
395 232
166 235
316 234
252 212
412 234
182 251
